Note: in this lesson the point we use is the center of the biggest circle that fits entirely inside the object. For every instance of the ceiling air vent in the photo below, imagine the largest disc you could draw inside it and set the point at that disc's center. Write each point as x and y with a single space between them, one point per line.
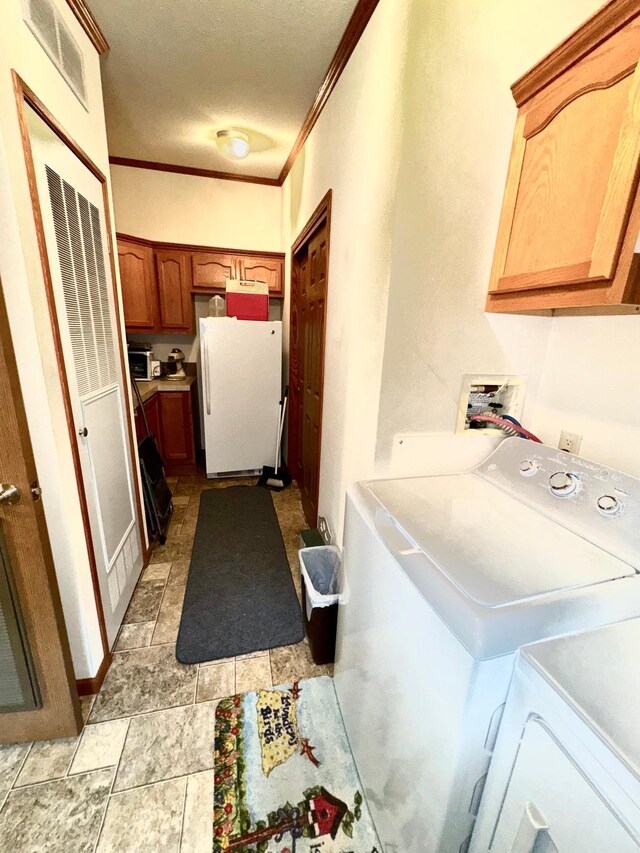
47 25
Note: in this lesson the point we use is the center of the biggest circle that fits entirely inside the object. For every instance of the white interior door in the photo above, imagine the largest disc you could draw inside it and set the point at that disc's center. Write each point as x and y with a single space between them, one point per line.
74 223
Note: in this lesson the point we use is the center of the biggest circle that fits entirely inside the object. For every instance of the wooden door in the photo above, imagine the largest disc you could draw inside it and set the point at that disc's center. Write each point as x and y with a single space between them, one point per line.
265 269
210 270
176 426
174 291
138 286
37 693
572 176
306 366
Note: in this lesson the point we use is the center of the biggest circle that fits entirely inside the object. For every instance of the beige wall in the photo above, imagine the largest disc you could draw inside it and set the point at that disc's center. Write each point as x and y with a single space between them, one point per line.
590 386
189 209
458 125
23 286
353 150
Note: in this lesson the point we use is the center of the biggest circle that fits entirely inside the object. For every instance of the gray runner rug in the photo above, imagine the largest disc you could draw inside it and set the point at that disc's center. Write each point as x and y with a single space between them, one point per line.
240 596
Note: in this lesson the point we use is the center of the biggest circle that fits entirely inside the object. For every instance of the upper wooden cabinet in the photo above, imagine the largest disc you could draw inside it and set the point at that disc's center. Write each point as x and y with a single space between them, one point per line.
158 296
137 278
174 291
267 269
212 269
571 213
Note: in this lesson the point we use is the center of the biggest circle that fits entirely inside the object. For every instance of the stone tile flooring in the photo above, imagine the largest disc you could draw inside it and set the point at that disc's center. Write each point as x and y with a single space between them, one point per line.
139 777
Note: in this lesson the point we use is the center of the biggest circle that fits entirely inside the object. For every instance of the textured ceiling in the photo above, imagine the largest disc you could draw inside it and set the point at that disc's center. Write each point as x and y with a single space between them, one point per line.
178 70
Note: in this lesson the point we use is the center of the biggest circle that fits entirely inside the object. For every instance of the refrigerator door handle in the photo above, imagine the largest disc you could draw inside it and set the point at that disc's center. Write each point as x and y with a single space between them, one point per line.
207 388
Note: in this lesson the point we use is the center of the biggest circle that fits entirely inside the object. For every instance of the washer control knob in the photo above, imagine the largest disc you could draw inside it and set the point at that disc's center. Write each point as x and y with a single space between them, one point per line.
528 467
609 505
563 484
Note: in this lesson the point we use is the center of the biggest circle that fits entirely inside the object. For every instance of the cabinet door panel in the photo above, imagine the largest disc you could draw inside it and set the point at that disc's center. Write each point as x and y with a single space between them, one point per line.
564 233
174 291
138 286
563 185
264 269
152 411
176 425
212 269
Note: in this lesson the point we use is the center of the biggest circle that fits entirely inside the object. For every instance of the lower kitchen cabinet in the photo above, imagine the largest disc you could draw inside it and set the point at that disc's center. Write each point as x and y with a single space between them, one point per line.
170 418
176 419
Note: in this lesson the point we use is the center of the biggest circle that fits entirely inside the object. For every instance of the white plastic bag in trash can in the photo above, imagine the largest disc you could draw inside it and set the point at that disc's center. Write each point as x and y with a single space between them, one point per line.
319 567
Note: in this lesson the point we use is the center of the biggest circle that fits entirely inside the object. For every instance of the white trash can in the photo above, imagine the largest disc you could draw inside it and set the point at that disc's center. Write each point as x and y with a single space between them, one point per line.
319 567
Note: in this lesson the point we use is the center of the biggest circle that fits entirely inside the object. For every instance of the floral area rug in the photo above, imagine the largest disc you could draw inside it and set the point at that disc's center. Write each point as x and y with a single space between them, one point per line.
285 779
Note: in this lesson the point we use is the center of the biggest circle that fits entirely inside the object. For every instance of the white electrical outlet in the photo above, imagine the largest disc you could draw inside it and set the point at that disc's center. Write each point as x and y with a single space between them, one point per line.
325 530
570 441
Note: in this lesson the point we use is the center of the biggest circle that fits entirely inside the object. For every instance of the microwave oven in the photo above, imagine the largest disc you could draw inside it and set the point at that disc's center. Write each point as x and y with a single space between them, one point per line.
142 365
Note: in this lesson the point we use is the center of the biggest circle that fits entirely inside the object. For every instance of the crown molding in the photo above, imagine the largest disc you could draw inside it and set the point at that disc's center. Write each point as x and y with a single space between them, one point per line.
89 24
355 28
196 247
602 25
190 170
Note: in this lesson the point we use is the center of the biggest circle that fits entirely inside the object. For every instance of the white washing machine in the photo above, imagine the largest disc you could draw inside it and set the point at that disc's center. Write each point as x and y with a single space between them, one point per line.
565 776
444 578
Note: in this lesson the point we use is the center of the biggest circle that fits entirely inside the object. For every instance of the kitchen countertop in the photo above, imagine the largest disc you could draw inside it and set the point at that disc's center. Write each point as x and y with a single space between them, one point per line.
148 389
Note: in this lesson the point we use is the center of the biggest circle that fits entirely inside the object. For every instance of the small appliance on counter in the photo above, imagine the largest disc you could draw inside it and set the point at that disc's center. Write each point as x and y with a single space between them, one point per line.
247 300
175 370
141 362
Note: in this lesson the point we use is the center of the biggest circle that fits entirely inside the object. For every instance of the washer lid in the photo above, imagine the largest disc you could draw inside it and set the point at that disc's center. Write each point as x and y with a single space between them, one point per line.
597 672
496 550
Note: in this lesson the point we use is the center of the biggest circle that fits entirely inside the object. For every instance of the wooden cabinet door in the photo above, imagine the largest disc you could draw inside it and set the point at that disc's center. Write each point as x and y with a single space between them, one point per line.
174 291
138 286
152 411
210 270
176 426
138 424
572 177
265 269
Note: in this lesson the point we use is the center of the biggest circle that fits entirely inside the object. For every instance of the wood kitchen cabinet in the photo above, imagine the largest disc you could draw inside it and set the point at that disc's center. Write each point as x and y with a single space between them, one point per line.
211 270
160 279
176 418
170 418
270 270
137 278
174 291
571 210
152 412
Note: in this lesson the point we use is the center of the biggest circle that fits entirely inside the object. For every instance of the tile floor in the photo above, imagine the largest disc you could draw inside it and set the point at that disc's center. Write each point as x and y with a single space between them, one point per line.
139 777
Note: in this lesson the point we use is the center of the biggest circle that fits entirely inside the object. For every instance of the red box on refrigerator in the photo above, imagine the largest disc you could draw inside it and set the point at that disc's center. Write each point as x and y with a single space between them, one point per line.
247 300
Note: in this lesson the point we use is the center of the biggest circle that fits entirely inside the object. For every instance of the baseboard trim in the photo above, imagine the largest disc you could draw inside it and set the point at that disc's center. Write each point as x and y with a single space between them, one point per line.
89 686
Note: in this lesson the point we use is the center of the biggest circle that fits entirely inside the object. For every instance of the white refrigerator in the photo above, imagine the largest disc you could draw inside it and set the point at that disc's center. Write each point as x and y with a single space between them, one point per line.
241 374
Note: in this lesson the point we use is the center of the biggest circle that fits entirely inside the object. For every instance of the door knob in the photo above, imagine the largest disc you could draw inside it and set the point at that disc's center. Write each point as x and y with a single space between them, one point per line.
9 494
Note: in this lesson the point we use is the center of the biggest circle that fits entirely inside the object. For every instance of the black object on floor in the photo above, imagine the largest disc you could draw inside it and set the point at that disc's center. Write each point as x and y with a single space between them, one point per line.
240 596
158 504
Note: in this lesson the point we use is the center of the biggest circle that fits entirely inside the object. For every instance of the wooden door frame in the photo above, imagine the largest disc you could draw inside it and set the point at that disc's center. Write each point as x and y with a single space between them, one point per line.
321 214
26 97
59 714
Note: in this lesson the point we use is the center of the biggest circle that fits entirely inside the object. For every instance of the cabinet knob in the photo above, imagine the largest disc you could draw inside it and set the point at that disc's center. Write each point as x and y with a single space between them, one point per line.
84 432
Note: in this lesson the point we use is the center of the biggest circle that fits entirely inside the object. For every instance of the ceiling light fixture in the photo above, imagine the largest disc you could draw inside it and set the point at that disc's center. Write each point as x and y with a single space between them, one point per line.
232 144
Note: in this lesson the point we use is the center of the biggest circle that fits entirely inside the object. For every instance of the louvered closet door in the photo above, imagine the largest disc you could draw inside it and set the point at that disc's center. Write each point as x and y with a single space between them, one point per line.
73 214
